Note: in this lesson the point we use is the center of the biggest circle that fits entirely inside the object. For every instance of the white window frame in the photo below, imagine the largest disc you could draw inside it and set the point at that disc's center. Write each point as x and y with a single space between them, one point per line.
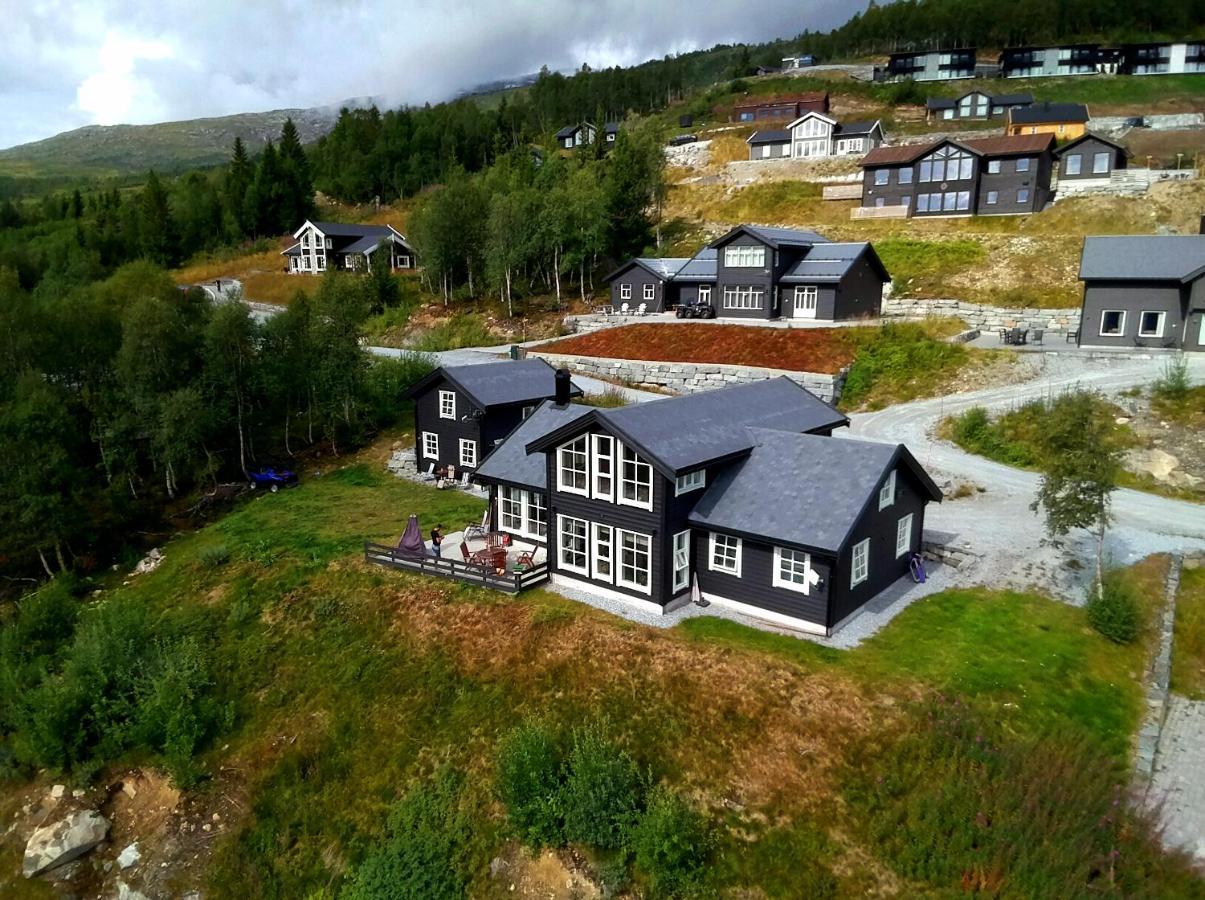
780 556
535 515
640 467
746 297
447 404
430 445
650 292
723 566
1022 195
705 293
625 292
636 537
680 579
468 458
1022 164
882 176
566 449
1100 162
744 256
993 197
511 503
599 544
598 456
1121 323
1157 333
859 563
807 298
561 547
887 491
1070 168
691 481
903 535
993 167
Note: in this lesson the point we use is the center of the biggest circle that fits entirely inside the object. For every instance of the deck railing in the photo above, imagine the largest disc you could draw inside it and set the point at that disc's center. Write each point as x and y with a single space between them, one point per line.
511 582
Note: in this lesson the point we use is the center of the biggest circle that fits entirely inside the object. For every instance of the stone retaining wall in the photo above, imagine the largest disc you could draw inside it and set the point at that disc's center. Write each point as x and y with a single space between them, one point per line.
982 317
956 557
689 378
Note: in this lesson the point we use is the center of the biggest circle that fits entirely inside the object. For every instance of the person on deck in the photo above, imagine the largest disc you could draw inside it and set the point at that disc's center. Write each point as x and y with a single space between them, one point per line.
437 539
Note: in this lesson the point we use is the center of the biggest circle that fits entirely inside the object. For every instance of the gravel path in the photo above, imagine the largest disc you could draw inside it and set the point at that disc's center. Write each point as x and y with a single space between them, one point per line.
998 522
1178 788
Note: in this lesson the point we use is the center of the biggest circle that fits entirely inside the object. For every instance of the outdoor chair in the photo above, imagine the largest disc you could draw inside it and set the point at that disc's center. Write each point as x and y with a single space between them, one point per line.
429 475
1073 337
1036 338
1004 336
623 309
464 479
478 529
642 309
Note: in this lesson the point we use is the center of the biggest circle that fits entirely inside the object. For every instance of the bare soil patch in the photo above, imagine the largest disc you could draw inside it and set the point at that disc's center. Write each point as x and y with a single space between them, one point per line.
798 350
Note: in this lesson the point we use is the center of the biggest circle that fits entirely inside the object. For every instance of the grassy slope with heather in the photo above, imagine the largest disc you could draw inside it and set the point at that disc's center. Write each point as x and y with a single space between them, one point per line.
351 684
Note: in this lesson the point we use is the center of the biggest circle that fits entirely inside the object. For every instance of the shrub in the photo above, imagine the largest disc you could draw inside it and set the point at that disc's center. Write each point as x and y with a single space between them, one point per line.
671 843
899 362
387 381
425 854
603 791
1115 611
530 780
465 330
1174 384
214 557
609 398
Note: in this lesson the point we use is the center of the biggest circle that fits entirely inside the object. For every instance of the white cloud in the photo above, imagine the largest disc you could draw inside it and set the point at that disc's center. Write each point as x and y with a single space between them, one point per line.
67 64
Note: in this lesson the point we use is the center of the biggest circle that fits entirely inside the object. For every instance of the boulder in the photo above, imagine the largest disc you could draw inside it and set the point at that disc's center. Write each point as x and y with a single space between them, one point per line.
1159 464
66 840
129 856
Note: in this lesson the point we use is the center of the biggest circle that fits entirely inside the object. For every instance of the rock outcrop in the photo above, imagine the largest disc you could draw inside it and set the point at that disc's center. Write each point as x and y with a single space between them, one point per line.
64 841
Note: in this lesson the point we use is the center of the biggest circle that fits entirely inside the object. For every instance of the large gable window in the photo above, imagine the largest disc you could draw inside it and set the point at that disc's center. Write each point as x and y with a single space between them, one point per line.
947 164
447 404
793 570
744 257
725 554
635 480
572 467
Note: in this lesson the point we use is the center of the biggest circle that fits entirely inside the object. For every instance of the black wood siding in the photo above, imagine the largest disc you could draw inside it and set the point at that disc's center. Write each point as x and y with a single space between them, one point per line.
880 527
755 586
638 277
1135 297
1086 150
860 292
450 431
764 279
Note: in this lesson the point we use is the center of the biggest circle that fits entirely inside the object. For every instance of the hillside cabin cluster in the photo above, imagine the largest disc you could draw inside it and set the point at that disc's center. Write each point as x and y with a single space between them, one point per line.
815 135
782 109
1153 58
739 496
319 246
983 176
753 272
1064 120
583 134
974 105
1144 291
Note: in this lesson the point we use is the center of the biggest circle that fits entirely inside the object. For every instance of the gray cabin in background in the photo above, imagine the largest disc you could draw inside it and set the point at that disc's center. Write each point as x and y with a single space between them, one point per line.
974 105
319 246
754 272
1090 156
814 135
1143 291
462 412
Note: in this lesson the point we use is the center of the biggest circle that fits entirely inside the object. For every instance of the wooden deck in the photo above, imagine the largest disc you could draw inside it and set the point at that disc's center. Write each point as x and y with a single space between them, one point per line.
457 570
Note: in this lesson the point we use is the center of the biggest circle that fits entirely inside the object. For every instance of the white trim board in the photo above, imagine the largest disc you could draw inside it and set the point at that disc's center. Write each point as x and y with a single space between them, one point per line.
774 618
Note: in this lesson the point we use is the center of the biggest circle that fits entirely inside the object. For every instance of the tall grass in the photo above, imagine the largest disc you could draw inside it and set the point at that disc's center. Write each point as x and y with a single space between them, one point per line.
899 362
464 330
922 268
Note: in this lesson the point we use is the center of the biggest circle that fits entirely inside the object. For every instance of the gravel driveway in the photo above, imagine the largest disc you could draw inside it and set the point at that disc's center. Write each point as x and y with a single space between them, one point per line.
998 522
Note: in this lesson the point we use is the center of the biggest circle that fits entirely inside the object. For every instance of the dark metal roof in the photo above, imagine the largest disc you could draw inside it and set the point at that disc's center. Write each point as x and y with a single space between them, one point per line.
940 103
682 433
510 461
338 229
293 250
830 262
845 129
775 237
774 136
1091 136
700 267
1044 112
1005 145
802 489
1179 258
611 128
499 383
1011 99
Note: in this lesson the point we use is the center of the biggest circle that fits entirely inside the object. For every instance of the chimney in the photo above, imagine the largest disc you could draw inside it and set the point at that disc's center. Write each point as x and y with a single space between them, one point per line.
562 387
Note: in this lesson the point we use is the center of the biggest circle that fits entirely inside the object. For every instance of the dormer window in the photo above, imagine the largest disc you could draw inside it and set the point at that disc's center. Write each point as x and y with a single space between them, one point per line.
635 480
573 467
745 257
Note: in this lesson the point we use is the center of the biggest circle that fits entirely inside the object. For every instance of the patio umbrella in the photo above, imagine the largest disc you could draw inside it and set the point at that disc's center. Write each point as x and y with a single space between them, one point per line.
412 543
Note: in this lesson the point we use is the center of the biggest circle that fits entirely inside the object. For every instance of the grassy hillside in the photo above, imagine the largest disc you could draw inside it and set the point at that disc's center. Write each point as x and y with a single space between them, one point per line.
104 150
352 686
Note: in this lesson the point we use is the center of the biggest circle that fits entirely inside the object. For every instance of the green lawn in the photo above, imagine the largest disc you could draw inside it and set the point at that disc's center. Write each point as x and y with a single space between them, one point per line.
352 683
1188 643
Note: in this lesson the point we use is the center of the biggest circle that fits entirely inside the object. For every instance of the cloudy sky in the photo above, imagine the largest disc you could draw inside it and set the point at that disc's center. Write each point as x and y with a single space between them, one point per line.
107 62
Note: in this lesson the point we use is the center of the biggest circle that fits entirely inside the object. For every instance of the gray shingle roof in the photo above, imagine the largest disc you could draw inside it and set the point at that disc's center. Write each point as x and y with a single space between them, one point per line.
793 237
511 462
499 383
772 136
1143 258
801 489
365 244
681 433
1011 99
940 103
1039 113
700 267
845 129
665 266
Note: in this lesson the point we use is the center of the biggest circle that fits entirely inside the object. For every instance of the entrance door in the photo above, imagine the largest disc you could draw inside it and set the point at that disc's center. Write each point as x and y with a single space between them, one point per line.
805 302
